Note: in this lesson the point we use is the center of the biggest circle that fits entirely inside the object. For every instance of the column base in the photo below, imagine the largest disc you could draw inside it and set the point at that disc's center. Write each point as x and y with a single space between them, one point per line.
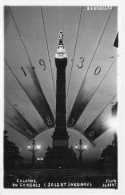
60 157
60 148
60 138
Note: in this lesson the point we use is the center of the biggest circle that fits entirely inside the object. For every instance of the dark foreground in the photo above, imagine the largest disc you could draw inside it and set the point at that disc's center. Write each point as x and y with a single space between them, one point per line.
59 178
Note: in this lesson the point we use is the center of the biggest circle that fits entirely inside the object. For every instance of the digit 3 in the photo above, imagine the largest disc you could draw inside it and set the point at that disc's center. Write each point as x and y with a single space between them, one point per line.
82 60
71 124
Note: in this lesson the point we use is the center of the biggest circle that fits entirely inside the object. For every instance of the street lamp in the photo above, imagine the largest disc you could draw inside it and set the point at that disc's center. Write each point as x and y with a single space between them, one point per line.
80 149
34 148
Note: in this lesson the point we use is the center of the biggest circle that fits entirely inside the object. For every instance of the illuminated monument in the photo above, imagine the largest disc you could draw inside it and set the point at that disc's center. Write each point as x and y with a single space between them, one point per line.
60 156
60 135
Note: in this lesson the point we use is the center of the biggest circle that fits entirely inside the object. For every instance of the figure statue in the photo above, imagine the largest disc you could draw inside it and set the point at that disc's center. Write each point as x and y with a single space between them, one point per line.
60 38
61 52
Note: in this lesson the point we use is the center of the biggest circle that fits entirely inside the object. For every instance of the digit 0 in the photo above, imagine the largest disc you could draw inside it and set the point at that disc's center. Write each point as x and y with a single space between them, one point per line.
97 70
91 133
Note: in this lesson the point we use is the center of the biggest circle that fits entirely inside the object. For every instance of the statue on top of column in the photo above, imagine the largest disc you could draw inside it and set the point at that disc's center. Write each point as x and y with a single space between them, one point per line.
61 52
60 38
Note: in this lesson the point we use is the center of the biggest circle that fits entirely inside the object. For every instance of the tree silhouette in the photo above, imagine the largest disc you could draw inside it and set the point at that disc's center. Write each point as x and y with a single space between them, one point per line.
109 157
11 153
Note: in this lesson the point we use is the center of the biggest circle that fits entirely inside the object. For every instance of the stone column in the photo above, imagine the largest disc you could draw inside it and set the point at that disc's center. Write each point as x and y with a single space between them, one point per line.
60 135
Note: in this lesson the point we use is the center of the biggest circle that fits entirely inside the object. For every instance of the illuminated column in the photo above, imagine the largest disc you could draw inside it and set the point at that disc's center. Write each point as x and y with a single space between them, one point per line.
60 135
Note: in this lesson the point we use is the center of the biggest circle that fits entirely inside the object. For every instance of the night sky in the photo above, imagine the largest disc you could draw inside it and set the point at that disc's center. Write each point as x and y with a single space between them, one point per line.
31 34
